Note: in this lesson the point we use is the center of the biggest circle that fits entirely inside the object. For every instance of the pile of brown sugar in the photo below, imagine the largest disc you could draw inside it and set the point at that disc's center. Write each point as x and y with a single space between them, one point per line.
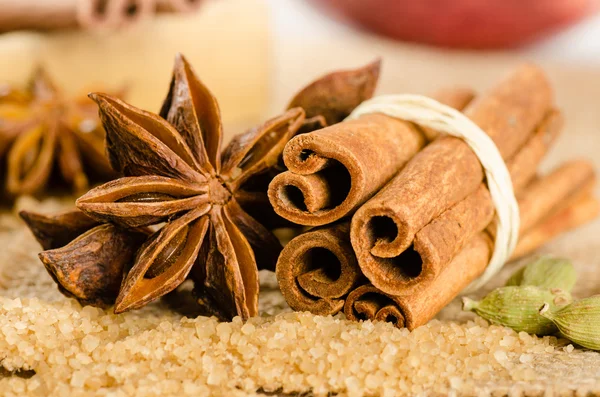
52 345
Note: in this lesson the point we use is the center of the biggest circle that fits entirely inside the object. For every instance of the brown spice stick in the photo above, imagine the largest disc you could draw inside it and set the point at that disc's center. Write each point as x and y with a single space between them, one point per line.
421 303
560 188
438 242
317 269
183 6
578 213
552 190
447 171
414 310
575 207
334 170
64 14
38 14
368 303
542 198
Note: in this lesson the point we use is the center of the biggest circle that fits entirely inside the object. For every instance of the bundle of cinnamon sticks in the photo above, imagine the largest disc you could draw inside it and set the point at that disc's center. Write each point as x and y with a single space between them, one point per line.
403 220
86 14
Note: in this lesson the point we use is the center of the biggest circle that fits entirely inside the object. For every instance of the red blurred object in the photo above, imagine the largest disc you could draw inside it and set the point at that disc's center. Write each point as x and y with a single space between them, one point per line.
465 23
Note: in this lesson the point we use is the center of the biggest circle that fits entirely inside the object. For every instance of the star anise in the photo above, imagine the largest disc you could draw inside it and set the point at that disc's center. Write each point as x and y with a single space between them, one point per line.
196 198
42 130
176 174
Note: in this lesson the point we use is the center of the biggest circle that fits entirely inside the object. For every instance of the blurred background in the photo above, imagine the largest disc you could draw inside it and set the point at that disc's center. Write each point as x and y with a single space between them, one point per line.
254 54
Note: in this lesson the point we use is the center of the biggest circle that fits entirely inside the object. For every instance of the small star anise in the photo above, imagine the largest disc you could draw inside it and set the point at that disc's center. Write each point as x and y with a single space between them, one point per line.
42 131
176 174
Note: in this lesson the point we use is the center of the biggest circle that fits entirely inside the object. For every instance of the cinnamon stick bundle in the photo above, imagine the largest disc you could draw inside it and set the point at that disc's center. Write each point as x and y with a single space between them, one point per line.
335 169
414 310
437 180
566 193
440 194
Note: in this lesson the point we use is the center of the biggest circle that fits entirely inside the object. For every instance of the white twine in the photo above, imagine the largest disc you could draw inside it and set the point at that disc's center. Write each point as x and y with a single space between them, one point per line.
427 112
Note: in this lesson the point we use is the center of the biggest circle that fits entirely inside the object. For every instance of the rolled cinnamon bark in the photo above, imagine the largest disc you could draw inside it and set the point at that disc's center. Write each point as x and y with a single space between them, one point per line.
183 6
335 169
412 311
37 14
436 244
445 173
547 194
421 302
111 14
570 206
317 269
368 303
568 203
578 213
64 14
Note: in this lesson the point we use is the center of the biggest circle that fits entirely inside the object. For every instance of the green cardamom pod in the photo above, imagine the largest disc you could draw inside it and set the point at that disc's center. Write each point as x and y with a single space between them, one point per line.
546 272
579 321
517 307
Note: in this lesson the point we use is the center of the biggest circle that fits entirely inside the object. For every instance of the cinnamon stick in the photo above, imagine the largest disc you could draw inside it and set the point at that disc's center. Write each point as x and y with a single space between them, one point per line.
436 244
421 302
579 213
183 6
111 14
412 311
66 14
413 307
317 269
550 191
38 14
335 169
368 303
445 173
